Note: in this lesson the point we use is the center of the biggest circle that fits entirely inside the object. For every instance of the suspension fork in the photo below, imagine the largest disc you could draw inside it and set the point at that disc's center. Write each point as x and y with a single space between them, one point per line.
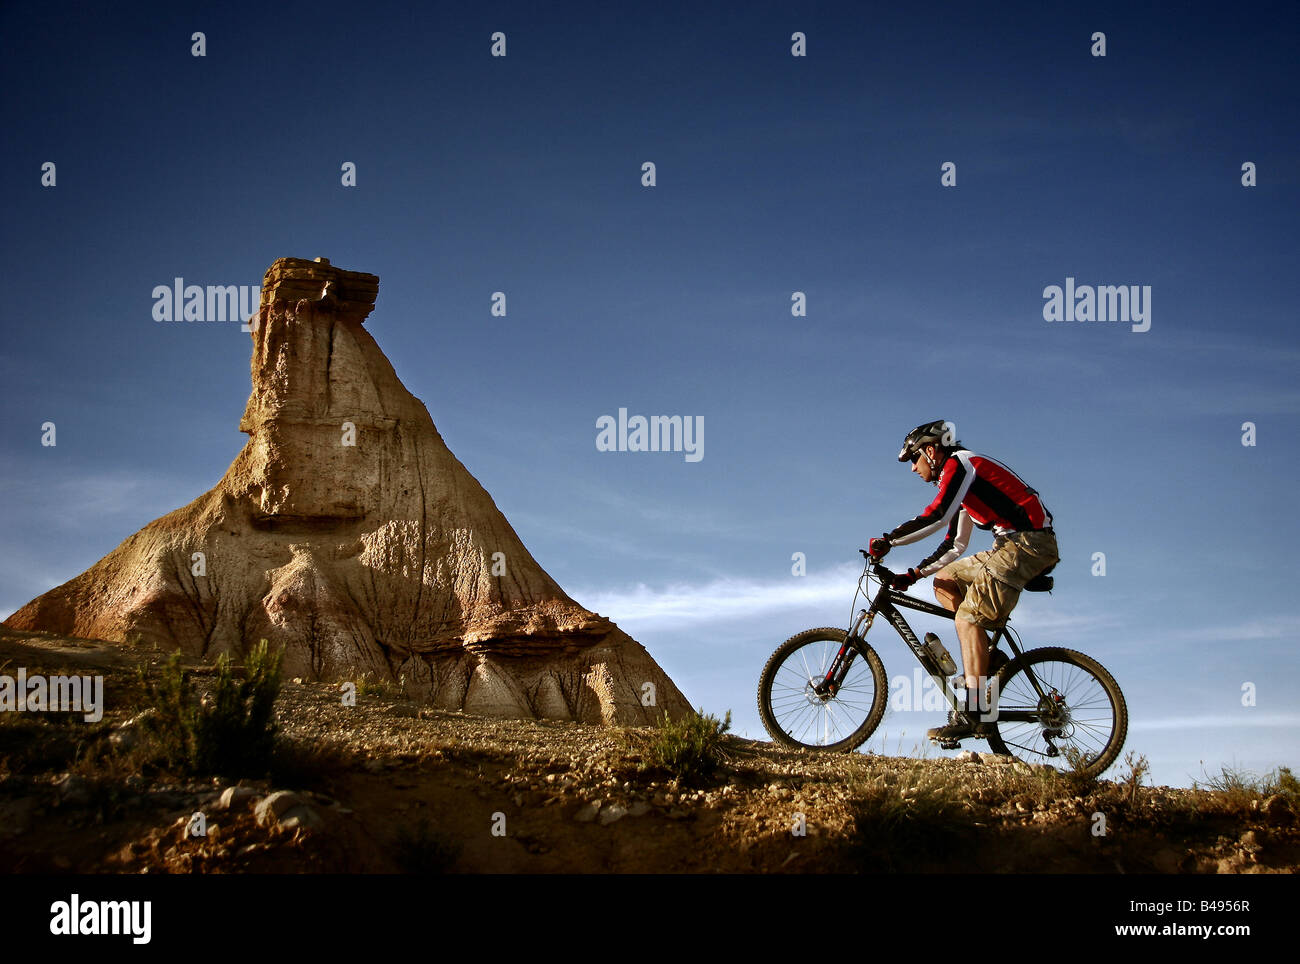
840 665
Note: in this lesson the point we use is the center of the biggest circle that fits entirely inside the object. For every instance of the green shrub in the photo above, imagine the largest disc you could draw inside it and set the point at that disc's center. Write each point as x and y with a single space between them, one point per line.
370 683
103 771
689 749
1284 782
232 731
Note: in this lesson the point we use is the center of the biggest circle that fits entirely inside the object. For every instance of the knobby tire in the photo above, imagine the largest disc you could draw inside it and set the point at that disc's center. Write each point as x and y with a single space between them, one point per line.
789 732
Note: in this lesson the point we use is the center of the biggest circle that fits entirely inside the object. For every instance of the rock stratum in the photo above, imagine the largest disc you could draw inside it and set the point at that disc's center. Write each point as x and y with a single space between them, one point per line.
347 532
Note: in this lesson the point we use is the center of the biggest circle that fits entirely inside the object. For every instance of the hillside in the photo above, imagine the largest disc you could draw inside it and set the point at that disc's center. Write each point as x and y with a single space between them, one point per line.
391 786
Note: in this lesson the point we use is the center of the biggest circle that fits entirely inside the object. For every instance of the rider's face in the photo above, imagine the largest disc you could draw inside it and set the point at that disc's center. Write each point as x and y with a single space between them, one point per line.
921 467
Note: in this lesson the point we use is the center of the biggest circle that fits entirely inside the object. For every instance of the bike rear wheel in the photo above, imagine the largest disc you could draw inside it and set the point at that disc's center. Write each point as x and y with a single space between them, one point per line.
795 715
1079 722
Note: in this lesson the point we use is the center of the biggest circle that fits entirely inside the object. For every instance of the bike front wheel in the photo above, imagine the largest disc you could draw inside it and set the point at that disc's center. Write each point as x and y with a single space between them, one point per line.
796 715
1075 717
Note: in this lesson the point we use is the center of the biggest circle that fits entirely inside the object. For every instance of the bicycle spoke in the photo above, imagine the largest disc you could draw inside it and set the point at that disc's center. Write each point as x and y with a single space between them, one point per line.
813 719
1076 713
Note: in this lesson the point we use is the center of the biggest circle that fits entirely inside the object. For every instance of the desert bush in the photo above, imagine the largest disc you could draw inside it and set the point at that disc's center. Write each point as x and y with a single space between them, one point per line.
1120 798
231 731
47 741
1131 782
690 749
39 743
1234 790
1076 780
370 683
1283 781
101 772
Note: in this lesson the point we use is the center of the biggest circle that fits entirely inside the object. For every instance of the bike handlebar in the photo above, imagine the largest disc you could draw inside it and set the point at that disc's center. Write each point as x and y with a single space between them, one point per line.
876 568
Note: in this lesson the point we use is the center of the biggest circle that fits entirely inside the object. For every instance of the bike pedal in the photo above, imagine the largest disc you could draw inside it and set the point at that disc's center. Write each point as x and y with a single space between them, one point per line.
950 744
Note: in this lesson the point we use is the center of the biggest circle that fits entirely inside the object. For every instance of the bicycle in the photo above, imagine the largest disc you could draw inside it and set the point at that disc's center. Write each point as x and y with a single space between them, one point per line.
1049 705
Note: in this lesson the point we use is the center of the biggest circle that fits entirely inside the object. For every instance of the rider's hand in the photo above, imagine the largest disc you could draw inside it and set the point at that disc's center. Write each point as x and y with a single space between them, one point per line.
878 547
904 580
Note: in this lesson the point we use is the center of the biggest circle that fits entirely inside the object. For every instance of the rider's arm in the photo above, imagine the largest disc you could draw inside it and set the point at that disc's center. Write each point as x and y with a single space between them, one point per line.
951 548
954 483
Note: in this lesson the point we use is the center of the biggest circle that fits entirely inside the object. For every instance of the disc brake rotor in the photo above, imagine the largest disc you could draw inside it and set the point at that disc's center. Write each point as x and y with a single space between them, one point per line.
819 692
1054 715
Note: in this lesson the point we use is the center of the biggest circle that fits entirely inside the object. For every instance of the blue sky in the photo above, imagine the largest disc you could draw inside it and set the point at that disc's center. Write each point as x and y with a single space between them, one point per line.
775 174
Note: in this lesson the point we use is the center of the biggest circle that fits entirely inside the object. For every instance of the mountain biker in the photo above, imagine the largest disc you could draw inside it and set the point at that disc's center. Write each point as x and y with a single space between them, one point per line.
982 589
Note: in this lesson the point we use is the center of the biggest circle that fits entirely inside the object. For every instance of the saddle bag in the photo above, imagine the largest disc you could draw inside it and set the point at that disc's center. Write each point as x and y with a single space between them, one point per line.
1043 582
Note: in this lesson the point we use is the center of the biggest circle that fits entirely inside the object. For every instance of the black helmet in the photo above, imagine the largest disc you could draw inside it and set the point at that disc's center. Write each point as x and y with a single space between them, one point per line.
931 433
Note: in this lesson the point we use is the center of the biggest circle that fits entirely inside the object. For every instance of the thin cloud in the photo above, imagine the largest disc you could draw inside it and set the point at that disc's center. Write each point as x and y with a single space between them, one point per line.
527 522
1235 721
34 585
83 499
645 608
679 606
1043 619
1274 627
663 516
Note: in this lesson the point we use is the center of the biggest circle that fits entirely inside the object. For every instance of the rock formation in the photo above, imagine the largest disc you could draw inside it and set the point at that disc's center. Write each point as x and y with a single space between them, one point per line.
347 532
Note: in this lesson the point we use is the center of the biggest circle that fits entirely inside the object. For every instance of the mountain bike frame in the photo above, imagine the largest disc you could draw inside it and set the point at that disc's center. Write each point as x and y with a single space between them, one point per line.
886 603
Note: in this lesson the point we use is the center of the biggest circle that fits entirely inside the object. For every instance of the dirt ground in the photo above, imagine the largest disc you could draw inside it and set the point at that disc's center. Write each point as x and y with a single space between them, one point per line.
390 786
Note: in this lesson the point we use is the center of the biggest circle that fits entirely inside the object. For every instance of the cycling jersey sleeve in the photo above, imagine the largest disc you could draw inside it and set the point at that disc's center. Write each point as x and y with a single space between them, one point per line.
954 483
951 548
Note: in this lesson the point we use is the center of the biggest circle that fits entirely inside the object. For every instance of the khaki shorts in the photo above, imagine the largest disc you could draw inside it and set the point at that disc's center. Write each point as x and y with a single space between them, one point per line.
991 580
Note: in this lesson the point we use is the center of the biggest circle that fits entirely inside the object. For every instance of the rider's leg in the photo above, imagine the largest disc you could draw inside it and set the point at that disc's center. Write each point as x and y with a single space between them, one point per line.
974 653
951 585
987 604
947 591
952 581
956 589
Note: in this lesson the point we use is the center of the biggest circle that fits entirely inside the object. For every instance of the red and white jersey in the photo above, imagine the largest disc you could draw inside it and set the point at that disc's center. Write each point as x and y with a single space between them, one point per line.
972 489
